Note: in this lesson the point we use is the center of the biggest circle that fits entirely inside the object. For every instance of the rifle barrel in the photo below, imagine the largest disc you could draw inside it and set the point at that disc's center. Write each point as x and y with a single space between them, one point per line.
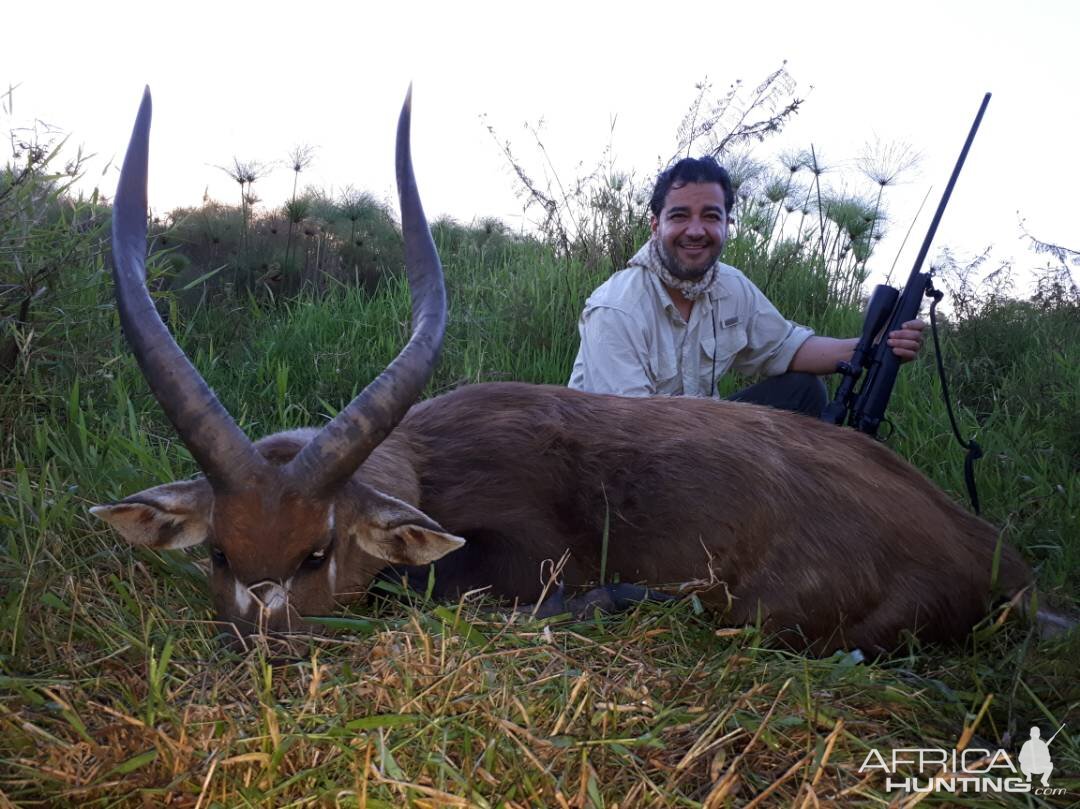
868 410
949 188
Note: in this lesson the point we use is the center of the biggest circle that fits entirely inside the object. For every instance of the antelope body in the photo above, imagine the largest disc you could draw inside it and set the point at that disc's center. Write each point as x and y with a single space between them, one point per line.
822 533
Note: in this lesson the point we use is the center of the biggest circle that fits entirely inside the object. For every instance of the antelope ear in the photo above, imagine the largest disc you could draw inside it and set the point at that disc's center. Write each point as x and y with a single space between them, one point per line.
175 515
392 530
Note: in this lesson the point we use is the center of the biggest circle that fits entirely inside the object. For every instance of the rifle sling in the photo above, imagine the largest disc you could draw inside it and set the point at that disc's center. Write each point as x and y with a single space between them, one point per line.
974 451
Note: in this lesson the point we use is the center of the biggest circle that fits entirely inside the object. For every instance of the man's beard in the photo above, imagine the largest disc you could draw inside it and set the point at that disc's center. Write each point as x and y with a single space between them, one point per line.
691 283
677 268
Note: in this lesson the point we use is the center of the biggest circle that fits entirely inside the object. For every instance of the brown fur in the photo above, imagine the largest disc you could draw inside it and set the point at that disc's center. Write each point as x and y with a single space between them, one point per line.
827 532
824 534
830 534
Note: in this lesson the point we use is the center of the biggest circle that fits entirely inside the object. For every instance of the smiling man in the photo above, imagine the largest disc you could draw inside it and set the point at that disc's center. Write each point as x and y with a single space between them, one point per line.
677 318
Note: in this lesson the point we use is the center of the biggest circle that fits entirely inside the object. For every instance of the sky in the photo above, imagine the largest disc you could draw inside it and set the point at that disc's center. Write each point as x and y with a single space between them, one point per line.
254 80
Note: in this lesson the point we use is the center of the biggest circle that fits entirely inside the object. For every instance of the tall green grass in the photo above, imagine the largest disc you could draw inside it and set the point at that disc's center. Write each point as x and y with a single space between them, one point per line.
113 690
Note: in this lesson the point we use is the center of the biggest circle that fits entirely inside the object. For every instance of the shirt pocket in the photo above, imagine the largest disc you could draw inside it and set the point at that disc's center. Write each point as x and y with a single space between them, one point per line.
666 378
730 340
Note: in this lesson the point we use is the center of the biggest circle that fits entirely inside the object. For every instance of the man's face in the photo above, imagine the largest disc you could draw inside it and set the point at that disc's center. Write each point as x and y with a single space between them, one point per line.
691 229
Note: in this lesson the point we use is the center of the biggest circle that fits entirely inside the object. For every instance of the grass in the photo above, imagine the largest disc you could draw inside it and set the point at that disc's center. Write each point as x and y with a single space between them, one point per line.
114 692
460 705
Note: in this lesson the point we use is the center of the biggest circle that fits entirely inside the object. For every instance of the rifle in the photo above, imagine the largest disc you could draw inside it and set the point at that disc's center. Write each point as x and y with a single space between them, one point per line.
889 308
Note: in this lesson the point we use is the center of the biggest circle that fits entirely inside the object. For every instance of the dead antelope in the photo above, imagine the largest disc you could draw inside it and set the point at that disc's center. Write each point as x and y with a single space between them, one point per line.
825 535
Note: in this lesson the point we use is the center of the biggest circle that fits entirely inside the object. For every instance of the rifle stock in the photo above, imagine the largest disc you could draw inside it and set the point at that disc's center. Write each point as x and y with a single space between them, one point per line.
865 410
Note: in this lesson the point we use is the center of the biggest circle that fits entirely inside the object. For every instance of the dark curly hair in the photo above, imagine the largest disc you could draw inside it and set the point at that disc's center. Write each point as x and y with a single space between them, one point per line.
691 170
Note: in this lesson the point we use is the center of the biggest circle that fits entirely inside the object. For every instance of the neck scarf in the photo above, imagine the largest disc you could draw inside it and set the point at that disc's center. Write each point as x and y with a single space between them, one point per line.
691 290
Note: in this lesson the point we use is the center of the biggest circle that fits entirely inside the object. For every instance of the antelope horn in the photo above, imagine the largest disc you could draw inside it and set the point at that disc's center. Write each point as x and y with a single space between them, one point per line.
219 447
343 444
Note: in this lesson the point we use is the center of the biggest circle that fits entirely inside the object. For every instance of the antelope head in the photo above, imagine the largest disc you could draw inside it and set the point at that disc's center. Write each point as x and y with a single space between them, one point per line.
290 536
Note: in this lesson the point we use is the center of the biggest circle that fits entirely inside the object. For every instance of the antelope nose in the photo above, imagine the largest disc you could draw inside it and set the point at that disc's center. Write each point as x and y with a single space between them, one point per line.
270 595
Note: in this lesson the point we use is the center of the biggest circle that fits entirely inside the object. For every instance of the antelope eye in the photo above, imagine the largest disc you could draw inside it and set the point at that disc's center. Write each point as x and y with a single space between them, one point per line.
219 557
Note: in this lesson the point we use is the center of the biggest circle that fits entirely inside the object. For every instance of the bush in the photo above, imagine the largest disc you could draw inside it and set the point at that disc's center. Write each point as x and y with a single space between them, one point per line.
53 248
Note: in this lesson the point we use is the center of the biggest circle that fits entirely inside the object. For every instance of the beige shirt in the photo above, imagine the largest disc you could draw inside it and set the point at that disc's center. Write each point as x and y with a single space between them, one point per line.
634 342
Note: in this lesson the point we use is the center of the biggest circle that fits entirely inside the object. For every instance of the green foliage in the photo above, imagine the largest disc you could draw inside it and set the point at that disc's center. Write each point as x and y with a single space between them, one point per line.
219 254
1013 369
52 268
116 691
600 217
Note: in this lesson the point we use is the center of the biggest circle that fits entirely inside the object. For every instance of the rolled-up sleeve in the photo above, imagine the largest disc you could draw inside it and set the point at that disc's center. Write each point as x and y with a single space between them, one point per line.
614 355
772 340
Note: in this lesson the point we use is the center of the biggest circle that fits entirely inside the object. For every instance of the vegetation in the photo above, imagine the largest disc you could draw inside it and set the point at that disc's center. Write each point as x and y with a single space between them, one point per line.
114 691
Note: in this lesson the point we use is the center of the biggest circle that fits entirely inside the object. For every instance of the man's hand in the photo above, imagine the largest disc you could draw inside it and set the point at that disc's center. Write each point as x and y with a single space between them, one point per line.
820 355
907 341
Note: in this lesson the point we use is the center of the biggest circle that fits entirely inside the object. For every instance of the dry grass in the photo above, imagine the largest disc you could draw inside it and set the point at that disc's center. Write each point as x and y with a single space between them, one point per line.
114 692
461 705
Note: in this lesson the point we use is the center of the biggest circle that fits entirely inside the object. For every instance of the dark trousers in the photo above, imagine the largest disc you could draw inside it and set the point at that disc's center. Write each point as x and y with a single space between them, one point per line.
802 393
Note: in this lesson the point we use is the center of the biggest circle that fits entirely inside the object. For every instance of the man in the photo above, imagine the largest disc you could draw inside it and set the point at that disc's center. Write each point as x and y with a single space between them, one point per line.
677 318
1035 757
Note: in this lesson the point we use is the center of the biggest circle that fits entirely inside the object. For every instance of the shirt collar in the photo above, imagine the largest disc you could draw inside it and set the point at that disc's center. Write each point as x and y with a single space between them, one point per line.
717 291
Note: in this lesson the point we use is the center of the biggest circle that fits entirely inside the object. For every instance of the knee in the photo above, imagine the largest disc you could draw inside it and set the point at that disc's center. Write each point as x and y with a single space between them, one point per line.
796 391
809 391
